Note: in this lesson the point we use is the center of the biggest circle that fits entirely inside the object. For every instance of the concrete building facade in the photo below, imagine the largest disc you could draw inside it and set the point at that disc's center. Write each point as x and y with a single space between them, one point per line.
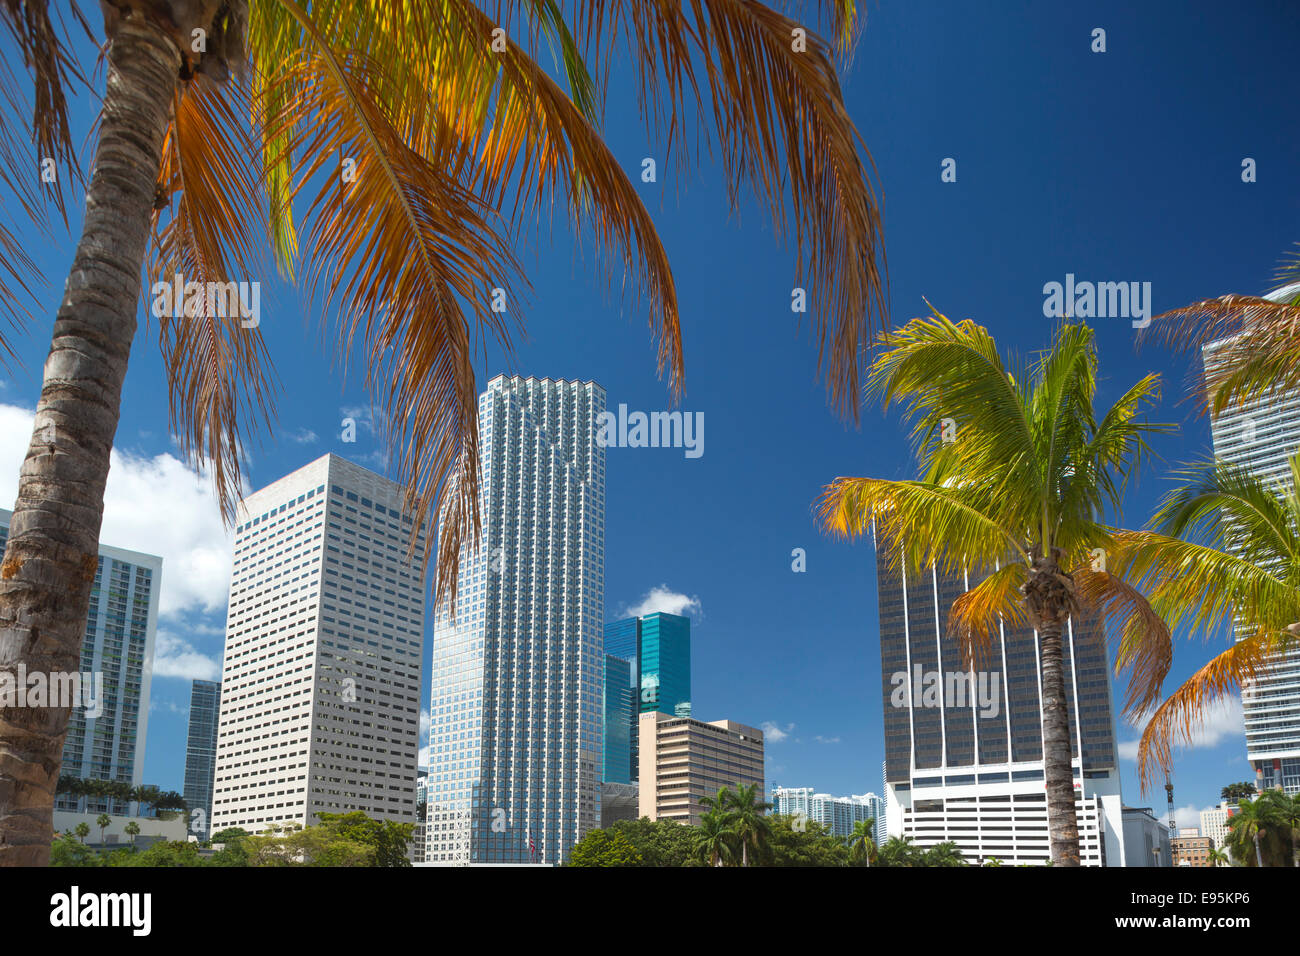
321 677
682 760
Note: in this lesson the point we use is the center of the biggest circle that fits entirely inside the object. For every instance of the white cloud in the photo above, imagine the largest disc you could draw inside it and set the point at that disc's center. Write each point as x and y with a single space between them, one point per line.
773 733
666 600
303 436
170 706
175 657
1189 816
155 505
1222 721
826 740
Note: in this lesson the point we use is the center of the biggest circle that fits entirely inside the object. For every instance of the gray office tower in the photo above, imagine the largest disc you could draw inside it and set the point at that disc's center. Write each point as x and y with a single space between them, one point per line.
964 750
201 754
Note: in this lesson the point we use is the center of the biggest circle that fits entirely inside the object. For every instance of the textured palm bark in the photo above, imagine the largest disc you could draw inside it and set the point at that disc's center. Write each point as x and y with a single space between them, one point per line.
1062 820
52 553
1049 598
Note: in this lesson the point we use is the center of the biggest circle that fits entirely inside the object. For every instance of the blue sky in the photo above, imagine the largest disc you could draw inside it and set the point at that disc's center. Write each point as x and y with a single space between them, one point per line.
1115 166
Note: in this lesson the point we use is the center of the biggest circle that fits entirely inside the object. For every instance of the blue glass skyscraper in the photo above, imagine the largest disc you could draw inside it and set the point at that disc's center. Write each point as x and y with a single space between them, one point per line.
655 651
620 720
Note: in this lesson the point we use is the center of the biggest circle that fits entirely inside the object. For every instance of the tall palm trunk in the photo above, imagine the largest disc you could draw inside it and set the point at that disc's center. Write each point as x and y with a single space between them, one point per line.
53 547
1062 821
1049 594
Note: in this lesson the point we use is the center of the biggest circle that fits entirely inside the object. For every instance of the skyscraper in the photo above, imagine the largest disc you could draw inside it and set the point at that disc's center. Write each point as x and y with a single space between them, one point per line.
657 647
321 679
1260 436
964 749
117 646
201 754
516 741
620 721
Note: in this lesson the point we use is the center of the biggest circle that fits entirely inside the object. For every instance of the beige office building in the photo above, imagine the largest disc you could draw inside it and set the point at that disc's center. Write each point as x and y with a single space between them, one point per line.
683 760
320 684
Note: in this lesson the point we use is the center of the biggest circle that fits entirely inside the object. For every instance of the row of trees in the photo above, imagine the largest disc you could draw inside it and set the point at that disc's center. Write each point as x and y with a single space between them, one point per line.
736 831
147 795
349 839
1021 483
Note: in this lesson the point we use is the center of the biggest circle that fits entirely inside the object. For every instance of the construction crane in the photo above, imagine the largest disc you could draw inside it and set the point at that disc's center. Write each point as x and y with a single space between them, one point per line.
1169 789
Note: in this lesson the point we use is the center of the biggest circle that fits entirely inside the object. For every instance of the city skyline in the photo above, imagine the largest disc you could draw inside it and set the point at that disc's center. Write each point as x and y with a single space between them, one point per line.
796 649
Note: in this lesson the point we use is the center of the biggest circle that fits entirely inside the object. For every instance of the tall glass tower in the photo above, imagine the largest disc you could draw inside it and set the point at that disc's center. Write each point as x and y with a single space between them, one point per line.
516 736
1260 436
620 720
659 647
201 753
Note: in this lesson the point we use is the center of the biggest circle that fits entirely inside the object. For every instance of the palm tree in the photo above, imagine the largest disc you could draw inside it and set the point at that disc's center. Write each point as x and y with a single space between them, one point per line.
82 830
944 854
862 842
1235 791
1218 857
1017 474
752 829
1258 826
1258 340
132 830
103 821
1223 550
899 851
393 154
715 839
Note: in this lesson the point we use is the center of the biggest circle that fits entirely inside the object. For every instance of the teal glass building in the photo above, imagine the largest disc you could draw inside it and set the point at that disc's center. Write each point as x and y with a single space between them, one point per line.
656 650
620 720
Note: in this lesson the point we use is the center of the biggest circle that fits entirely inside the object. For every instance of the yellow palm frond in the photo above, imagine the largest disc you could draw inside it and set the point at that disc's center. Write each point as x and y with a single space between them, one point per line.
922 524
401 251
1145 645
779 117
528 140
979 614
1262 354
1178 718
219 373
1200 587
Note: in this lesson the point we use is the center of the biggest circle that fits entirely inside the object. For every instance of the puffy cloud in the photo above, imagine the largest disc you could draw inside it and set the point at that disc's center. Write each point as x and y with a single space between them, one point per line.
175 657
1222 721
156 505
772 732
666 600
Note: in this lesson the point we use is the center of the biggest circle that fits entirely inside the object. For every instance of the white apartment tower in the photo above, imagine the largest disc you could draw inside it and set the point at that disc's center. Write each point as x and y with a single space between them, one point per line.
515 746
1260 437
321 680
